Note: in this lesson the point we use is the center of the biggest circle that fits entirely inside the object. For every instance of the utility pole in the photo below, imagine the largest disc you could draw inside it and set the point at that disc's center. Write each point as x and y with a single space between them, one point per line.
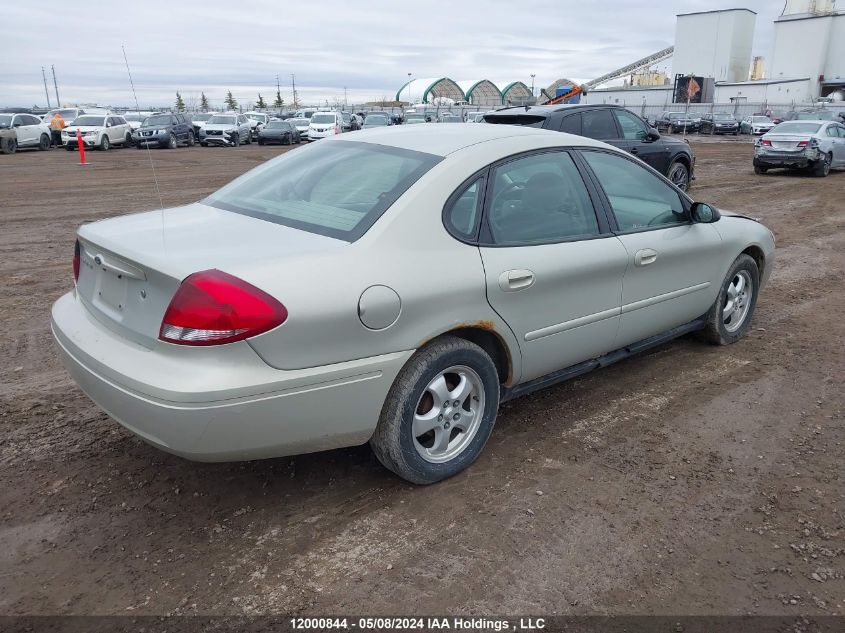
293 87
46 92
56 86
532 83
344 97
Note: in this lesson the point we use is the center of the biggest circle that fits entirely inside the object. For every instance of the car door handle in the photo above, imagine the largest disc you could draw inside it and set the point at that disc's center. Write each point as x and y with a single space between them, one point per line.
644 257
513 280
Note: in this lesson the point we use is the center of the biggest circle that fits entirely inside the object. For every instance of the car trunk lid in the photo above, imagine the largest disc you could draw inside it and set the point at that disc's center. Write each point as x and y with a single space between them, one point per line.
131 266
788 143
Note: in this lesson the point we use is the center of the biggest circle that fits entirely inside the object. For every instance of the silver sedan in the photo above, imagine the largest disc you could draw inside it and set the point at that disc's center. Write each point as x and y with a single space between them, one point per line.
395 286
814 145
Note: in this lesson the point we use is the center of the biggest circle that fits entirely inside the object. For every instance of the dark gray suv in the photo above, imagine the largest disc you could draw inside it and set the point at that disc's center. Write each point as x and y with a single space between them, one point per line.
612 124
164 130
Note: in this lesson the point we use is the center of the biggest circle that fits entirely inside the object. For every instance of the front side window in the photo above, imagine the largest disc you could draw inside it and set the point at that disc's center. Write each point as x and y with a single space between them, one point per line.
335 189
639 199
571 124
632 127
599 124
540 198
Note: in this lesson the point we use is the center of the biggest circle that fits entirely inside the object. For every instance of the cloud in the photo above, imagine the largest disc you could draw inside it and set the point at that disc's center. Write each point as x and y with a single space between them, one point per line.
368 48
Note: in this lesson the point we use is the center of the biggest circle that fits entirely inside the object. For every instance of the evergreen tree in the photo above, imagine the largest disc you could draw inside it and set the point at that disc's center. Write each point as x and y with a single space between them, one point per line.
231 103
204 103
279 102
260 104
180 103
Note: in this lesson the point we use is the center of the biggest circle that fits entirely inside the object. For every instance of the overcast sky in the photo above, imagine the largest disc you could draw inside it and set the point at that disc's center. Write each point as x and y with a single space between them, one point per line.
368 47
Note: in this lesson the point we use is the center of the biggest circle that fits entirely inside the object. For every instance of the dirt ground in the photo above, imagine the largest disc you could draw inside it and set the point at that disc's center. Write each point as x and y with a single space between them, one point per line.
689 480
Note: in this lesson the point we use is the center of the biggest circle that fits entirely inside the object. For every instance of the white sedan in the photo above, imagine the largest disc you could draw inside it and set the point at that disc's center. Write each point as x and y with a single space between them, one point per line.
394 286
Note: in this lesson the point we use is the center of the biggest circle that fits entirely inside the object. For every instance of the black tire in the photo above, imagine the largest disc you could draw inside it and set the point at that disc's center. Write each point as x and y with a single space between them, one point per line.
716 331
139 146
260 141
760 170
203 144
127 141
190 141
678 173
10 146
393 441
822 166
105 143
43 143
236 140
248 138
69 148
172 142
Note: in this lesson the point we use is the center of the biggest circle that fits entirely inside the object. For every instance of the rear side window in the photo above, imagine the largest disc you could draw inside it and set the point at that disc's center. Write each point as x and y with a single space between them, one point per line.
464 210
571 124
528 120
639 199
599 124
335 189
540 198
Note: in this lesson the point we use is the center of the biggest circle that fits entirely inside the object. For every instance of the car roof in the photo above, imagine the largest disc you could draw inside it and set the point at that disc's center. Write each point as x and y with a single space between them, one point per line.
447 139
546 110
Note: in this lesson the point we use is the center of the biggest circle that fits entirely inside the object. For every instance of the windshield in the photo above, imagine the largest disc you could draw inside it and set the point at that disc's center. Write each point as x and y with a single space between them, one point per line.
277 125
161 119
67 115
794 127
677 115
219 119
133 117
257 117
719 116
323 118
335 189
201 116
90 120
760 119
375 119
823 115
5 120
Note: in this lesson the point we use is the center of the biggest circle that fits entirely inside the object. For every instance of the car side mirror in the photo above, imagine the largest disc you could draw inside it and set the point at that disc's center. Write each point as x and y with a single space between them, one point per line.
652 135
17 124
703 213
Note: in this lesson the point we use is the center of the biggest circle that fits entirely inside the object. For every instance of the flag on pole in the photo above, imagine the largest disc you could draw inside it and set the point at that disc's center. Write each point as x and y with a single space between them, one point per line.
692 89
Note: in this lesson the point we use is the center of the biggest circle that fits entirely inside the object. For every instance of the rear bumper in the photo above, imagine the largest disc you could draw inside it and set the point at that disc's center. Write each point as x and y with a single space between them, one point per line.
223 403
786 159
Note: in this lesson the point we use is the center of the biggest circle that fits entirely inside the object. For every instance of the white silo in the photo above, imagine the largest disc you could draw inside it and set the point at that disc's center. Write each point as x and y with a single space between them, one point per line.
714 44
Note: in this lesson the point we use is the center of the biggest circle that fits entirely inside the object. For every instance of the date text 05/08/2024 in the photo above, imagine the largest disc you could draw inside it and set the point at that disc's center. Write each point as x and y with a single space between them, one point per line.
417 624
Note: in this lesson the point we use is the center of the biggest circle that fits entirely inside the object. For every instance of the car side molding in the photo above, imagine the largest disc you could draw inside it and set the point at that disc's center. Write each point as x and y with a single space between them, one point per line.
562 375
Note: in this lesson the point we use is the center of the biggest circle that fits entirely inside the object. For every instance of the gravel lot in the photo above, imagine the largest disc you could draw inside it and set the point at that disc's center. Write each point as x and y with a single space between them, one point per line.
690 480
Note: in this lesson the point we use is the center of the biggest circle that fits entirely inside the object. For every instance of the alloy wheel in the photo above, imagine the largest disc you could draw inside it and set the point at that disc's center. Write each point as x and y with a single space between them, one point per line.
737 301
448 414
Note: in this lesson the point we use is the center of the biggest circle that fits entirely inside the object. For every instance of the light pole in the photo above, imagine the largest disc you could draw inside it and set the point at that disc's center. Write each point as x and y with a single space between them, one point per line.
409 88
532 84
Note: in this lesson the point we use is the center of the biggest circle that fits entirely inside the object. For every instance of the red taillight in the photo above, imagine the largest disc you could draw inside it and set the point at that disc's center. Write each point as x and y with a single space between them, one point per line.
76 261
213 307
803 143
766 141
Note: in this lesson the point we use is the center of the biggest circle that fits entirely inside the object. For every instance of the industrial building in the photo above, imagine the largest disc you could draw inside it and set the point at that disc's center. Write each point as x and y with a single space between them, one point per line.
807 60
479 92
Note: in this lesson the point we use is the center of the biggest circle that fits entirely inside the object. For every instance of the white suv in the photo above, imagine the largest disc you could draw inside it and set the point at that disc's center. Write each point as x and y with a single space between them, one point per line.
325 124
30 131
98 130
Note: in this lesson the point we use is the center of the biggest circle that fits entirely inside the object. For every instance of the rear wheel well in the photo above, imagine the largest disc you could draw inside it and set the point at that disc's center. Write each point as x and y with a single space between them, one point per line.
756 253
490 343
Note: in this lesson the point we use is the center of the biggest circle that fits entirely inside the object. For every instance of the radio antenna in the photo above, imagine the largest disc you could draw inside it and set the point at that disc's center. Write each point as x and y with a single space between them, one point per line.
138 109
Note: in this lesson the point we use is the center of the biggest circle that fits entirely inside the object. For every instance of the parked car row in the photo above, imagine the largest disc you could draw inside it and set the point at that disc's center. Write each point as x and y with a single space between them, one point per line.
817 146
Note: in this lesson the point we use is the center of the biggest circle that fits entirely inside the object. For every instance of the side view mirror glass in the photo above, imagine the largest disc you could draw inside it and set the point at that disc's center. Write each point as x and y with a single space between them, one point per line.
652 135
703 213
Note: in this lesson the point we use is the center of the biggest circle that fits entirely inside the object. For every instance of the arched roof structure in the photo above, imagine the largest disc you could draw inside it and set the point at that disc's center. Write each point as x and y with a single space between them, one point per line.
515 92
423 90
482 92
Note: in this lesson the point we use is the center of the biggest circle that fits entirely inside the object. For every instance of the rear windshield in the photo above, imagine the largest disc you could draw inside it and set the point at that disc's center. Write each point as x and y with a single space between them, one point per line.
795 127
823 115
528 120
323 118
337 189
